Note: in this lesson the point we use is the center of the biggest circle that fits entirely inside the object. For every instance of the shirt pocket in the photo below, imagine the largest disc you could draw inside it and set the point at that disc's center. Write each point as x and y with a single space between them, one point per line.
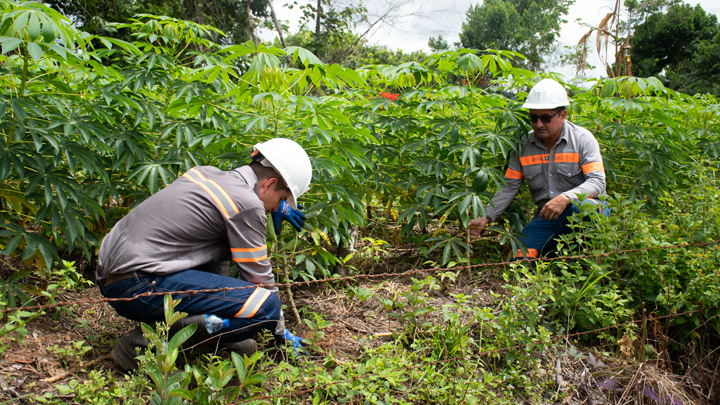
532 175
570 175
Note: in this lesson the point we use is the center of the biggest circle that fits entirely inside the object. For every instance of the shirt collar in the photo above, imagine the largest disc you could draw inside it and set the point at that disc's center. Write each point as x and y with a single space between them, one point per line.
247 174
563 135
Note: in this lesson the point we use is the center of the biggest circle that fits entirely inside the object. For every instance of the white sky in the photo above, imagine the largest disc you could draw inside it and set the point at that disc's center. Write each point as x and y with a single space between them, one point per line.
415 21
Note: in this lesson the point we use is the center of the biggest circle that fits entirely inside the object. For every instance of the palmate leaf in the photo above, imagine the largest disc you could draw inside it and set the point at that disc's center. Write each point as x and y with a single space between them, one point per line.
52 179
22 106
338 75
470 64
497 143
150 171
306 57
138 78
186 131
40 248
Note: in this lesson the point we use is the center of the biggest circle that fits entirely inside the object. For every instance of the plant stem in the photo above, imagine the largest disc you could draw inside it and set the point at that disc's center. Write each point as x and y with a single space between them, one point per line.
288 291
23 80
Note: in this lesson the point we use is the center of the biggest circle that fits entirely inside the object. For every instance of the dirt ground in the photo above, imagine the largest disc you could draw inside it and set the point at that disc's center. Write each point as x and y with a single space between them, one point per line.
35 364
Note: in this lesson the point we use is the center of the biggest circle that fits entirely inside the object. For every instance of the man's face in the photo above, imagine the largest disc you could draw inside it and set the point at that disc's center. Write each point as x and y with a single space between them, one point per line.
271 193
550 130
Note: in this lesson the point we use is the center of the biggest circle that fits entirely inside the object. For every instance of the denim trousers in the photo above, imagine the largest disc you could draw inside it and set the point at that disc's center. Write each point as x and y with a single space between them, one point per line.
225 304
540 235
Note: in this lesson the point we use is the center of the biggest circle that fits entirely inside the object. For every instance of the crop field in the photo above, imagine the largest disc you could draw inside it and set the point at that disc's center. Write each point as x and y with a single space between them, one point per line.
396 302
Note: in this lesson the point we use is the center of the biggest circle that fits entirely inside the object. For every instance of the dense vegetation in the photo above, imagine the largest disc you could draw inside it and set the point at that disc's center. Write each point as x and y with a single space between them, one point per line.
92 125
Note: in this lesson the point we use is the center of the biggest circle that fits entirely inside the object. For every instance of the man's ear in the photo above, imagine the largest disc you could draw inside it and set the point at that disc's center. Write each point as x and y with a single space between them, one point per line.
268 183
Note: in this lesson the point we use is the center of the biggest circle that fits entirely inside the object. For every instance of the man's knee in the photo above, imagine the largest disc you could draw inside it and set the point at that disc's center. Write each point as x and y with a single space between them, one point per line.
272 307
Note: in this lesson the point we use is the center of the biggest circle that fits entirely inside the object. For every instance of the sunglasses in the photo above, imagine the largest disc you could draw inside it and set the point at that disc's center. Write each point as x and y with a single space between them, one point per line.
546 118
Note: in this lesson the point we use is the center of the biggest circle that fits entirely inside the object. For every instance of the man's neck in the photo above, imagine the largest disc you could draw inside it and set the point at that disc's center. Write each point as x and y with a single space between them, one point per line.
550 143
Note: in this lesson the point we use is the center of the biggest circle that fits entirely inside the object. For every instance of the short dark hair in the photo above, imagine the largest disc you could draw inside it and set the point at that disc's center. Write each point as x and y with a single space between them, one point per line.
265 172
558 109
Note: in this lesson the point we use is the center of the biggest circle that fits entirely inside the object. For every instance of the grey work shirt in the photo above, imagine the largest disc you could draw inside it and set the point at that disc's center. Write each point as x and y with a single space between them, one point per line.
573 166
205 215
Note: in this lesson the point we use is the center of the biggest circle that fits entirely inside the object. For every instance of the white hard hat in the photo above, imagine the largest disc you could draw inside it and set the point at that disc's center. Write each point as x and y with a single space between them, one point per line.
290 161
547 94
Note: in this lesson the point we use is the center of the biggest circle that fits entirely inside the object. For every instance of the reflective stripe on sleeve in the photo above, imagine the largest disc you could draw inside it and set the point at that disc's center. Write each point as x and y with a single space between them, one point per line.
593 167
257 298
534 159
223 201
513 174
567 158
244 255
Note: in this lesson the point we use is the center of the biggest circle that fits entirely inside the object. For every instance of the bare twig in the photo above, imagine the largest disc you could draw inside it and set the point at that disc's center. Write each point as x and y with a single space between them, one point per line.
75 369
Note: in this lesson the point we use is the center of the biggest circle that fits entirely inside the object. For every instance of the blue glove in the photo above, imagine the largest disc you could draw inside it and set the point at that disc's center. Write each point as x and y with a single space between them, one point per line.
295 341
286 212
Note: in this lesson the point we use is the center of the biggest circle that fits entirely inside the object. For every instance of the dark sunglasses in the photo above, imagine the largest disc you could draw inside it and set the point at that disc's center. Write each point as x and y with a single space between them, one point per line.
546 118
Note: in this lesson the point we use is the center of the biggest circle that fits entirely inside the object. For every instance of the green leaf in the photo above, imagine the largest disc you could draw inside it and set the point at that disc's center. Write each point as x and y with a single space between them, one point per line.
306 57
9 43
33 28
183 335
35 51
11 245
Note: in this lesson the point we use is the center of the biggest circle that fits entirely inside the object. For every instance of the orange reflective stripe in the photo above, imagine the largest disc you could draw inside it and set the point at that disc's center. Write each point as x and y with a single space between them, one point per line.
513 174
531 253
534 160
567 158
245 255
257 298
222 199
593 167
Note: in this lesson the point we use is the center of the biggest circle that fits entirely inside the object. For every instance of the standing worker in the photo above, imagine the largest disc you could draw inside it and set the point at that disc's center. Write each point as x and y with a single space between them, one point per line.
205 216
560 161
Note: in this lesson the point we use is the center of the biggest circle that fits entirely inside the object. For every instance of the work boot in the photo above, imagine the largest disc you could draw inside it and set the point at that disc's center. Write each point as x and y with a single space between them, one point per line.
203 340
124 352
246 347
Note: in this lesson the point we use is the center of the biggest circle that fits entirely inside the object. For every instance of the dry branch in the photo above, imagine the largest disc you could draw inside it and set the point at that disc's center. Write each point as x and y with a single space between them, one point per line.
74 370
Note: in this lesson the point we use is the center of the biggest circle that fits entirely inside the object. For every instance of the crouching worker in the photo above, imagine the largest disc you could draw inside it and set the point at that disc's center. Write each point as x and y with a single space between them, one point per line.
560 161
205 216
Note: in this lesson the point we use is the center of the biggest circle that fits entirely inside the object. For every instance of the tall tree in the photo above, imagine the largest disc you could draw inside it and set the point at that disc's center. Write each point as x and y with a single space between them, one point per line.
332 24
438 44
681 47
530 27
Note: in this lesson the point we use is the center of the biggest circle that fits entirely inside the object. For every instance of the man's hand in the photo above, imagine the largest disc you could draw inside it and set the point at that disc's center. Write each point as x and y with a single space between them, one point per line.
554 207
287 213
295 341
476 226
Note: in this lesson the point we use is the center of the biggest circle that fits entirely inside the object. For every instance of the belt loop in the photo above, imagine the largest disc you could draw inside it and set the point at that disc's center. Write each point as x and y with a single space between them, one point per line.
135 276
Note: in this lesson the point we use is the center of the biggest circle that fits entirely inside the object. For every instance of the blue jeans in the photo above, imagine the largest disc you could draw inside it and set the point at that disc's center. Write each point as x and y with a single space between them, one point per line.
245 322
540 235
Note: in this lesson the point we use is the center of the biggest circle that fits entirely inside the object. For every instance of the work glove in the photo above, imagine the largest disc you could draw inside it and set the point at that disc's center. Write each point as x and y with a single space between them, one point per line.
287 213
295 341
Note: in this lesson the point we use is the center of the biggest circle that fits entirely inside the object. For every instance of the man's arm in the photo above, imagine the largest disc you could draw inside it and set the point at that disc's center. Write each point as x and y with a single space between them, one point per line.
593 169
502 198
247 237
